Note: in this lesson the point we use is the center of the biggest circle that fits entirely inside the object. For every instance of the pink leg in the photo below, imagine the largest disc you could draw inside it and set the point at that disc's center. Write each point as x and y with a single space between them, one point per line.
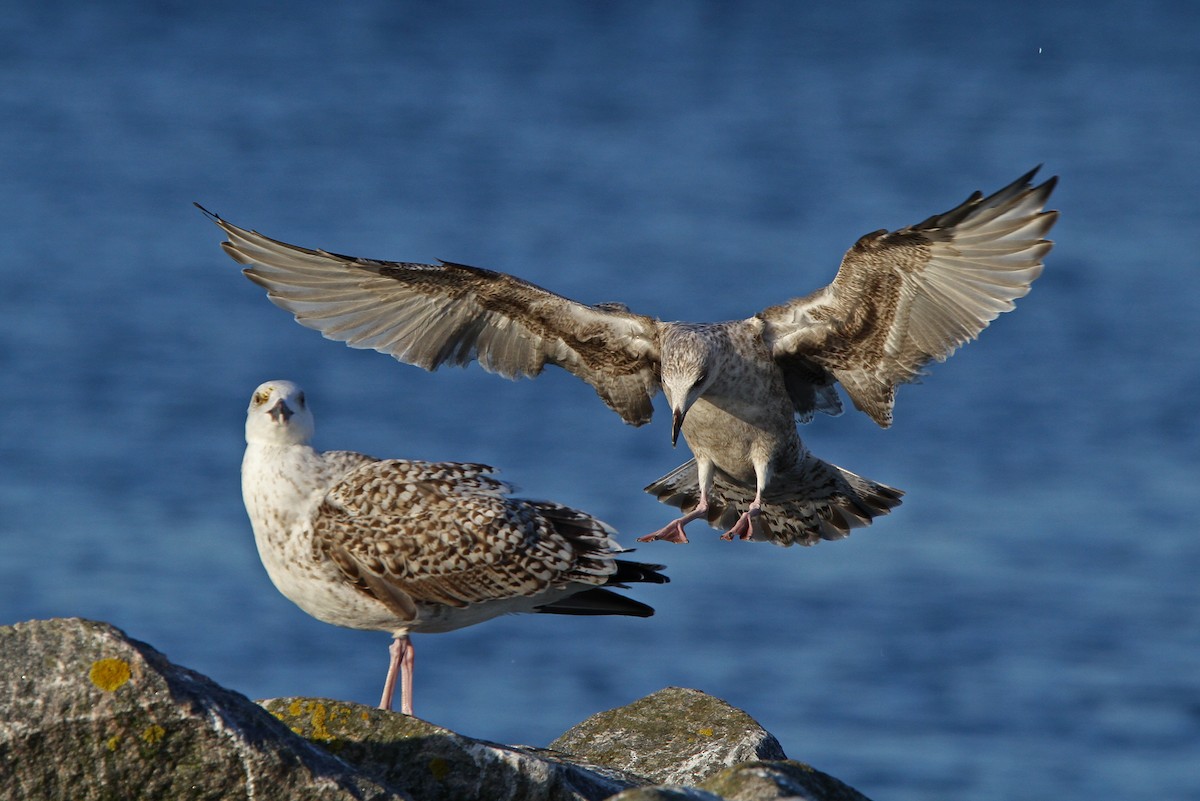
406 678
744 527
402 661
673 531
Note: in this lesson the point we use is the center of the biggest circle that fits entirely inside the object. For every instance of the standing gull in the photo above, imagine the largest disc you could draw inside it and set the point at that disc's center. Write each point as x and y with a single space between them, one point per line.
899 300
404 546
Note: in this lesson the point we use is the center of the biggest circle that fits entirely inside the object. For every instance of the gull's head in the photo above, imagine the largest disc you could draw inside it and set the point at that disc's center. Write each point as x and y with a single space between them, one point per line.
278 415
688 368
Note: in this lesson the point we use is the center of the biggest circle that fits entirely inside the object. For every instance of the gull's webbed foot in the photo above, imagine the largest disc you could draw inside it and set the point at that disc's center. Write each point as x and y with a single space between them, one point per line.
744 528
673 531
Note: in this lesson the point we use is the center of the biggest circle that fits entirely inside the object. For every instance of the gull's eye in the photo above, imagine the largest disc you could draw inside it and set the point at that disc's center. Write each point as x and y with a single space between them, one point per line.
300 400
261 397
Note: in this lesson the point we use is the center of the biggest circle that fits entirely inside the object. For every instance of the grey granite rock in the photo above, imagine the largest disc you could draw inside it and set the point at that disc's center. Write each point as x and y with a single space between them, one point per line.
665 793
675 736
767 781
433 763
88 713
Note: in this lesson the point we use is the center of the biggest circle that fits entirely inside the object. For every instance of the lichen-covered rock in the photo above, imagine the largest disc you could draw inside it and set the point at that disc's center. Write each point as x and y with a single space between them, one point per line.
87 713
665 793
675 736
767 781
432 763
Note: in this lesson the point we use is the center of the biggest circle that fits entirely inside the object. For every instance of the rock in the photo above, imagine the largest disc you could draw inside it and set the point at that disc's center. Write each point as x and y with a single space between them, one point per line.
89 713
669 793
665 793
764 781
675 736
433 763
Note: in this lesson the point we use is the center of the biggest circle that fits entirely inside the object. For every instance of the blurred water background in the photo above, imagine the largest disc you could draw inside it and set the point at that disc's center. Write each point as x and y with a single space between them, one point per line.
1025 626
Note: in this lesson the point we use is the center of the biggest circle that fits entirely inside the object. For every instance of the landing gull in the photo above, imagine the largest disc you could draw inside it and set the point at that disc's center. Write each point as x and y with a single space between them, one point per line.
407 546
900 300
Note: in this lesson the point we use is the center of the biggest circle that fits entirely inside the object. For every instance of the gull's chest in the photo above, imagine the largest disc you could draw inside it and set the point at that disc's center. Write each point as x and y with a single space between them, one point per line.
282 489
740 421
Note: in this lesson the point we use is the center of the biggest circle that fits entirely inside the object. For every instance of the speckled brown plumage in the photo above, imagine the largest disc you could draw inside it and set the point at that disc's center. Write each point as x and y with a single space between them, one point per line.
410 546
449 534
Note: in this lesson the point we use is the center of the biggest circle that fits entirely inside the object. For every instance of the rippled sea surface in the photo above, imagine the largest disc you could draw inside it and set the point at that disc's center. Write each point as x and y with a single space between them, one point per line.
1026 625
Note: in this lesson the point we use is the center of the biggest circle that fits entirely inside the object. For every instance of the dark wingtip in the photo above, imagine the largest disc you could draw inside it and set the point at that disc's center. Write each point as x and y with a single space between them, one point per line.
638 573
1045 188
212 215
1048 186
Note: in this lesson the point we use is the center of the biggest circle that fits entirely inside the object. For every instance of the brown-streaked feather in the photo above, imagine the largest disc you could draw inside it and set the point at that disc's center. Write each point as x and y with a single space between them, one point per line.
372 583
446 533
433 314
904 298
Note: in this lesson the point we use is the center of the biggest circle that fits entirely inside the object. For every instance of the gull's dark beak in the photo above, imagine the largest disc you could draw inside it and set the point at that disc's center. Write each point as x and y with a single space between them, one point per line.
280 412
676 424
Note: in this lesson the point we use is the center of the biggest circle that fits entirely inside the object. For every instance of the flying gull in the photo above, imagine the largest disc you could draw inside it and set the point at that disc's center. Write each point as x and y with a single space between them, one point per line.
899 300
406 546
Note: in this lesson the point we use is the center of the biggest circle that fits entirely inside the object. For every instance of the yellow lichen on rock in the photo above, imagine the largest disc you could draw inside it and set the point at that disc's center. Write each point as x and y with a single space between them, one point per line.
153 734
320 715
109 674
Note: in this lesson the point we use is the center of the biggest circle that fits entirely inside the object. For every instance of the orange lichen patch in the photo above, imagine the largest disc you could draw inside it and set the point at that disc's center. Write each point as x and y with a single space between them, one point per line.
109 674
153 734
316 721
320 715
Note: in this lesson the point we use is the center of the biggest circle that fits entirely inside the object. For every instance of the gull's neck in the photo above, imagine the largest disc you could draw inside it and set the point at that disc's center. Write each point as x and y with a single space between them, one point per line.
279 480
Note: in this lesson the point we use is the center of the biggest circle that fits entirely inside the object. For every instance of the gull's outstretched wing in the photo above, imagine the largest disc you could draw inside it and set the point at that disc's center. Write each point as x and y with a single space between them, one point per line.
432 314
903 298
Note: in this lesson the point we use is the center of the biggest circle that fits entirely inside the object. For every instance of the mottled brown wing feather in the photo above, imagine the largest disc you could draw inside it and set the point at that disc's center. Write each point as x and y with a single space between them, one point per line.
904 298
447 313
439 533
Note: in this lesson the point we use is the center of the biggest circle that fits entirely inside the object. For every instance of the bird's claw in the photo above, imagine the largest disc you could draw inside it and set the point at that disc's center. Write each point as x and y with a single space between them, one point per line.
743 529
672 532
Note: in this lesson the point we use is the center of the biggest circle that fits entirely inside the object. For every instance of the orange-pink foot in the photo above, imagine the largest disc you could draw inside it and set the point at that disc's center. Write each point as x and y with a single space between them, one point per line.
744 528
672 532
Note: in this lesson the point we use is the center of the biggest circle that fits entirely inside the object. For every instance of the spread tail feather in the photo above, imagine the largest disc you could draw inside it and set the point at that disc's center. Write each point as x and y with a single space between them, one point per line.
815 501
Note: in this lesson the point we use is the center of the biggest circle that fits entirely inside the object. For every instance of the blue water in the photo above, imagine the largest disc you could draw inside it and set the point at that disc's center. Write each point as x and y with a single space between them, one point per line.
1025 626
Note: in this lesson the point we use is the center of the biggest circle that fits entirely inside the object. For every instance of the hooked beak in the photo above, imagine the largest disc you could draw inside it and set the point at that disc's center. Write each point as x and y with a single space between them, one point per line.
676 424
280 412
